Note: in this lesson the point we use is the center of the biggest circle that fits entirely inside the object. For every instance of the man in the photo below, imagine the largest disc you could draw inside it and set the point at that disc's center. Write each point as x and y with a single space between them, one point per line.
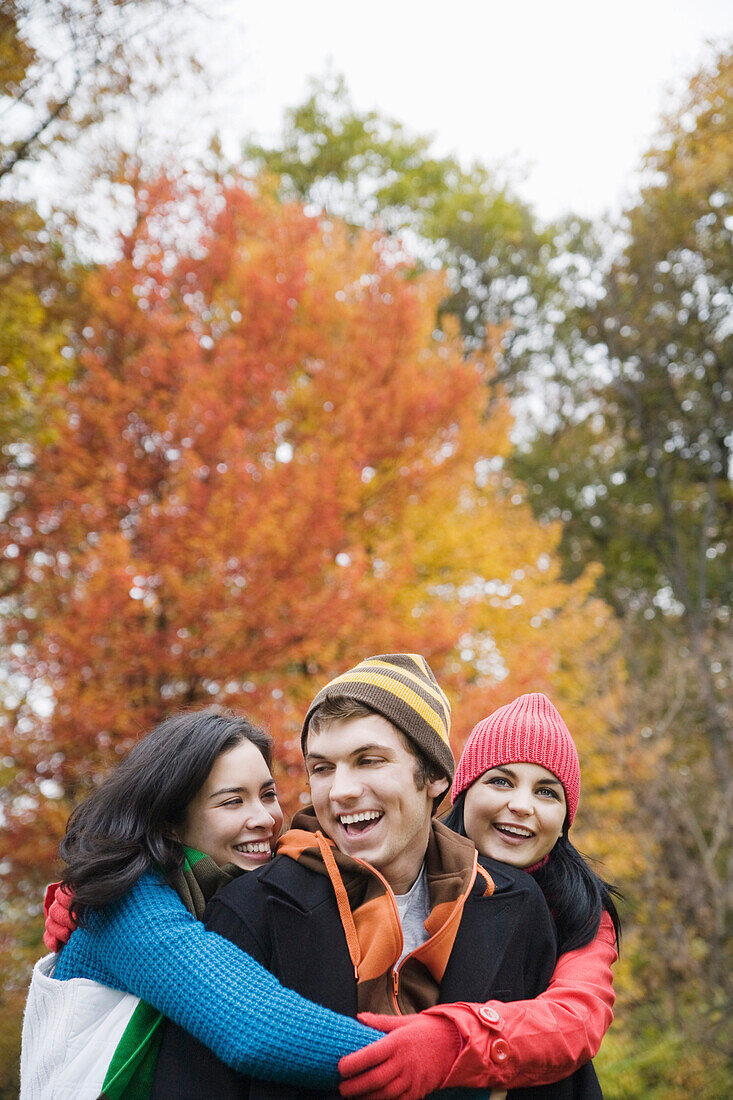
371 905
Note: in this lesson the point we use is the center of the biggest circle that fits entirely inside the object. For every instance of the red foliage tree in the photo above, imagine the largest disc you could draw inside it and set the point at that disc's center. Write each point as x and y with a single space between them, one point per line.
271 467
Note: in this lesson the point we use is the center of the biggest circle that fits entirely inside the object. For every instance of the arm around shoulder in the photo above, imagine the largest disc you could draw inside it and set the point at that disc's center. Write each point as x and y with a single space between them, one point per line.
157 950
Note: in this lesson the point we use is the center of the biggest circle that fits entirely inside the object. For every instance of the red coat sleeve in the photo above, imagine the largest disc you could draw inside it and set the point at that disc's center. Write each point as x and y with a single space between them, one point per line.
536 1042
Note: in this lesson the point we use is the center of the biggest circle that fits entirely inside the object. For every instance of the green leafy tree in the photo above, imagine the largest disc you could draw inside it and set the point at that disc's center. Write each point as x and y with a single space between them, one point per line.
622 337
639 469
509 276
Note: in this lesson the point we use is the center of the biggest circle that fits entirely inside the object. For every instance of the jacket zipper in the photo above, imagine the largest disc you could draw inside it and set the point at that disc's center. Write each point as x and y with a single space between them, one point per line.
390 894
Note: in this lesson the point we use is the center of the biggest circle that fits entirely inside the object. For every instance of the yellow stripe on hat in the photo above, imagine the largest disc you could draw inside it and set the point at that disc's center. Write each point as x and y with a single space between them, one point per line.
432 689
400 691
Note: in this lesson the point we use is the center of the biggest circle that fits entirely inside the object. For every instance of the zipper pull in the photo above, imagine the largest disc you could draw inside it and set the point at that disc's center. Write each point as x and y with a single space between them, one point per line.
395 983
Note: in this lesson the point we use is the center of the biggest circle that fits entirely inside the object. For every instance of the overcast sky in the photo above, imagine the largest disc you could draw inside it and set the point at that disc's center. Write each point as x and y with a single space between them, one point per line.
571 91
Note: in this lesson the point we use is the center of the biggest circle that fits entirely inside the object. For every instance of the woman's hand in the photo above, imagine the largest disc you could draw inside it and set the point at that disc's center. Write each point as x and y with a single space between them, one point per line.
59 921
412 1060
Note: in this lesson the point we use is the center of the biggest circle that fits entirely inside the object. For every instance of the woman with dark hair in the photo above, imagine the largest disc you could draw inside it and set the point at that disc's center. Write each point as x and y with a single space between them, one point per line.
140 817
514 795
193 805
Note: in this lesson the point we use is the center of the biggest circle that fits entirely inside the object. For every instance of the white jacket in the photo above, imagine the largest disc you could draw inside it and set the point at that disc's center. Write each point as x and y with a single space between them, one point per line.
71 1031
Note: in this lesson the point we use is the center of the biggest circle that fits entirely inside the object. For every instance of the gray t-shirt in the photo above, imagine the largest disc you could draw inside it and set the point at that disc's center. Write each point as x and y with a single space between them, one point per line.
414 908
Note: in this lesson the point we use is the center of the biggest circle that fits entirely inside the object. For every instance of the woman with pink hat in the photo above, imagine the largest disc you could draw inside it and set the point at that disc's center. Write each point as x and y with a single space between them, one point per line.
515 795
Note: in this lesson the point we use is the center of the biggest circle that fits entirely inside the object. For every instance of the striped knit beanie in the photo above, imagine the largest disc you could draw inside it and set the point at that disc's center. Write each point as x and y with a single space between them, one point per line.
402 688
528 730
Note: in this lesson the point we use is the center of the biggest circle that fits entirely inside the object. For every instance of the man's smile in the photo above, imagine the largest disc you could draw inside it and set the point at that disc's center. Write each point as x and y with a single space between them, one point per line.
357 824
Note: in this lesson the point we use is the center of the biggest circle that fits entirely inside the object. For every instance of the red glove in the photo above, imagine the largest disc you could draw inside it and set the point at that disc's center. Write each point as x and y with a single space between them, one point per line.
413 1060
59 921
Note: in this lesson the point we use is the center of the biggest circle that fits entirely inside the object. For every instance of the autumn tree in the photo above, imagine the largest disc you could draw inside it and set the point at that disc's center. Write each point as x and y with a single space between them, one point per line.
271 465
66 68
35 298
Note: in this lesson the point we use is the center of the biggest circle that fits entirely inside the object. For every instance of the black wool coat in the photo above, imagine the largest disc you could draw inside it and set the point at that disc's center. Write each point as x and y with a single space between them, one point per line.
285 916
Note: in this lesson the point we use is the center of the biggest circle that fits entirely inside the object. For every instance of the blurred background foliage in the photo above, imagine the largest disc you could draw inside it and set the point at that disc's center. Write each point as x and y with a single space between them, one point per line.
346 396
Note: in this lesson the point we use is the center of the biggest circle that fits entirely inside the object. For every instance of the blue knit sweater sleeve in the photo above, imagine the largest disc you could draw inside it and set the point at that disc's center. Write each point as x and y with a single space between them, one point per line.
150 945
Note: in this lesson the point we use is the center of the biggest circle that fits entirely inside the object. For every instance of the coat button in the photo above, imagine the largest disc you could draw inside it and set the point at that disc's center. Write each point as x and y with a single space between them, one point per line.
499 1050
486 1012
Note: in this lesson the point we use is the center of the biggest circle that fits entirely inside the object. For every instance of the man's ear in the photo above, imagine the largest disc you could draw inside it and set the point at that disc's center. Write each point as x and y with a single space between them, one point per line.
437 787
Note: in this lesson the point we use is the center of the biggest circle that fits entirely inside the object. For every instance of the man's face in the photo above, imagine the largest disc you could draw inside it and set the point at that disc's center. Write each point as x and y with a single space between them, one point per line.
362 781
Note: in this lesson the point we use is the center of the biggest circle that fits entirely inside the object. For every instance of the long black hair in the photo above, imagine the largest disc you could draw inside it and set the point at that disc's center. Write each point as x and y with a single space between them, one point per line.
128 824
575 894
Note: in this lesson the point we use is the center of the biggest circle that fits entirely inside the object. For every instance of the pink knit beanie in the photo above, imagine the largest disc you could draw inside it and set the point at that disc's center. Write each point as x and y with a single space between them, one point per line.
528 730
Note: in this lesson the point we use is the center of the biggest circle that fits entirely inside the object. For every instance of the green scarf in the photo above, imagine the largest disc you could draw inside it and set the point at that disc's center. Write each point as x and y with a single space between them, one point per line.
132 1069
